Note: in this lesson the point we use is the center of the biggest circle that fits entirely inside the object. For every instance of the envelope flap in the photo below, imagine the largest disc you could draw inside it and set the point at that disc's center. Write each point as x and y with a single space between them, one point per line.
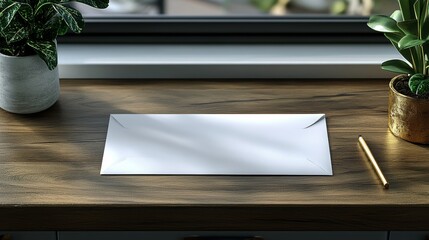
297 121
126 120
317 118
305 121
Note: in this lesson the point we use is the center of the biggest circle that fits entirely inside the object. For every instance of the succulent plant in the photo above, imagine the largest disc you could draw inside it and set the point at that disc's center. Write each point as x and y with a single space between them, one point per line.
408 30
29 27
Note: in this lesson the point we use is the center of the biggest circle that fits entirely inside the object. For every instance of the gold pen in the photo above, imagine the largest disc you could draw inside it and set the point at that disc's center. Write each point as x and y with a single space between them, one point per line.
373 162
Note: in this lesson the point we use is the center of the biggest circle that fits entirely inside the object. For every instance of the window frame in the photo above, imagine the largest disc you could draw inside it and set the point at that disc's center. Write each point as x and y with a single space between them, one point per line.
239 29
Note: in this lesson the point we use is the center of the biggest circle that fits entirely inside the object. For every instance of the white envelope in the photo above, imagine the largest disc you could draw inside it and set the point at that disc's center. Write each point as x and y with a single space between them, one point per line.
217 144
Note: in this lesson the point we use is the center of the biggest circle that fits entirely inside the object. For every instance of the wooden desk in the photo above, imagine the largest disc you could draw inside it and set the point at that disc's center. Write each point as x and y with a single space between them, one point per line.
50 163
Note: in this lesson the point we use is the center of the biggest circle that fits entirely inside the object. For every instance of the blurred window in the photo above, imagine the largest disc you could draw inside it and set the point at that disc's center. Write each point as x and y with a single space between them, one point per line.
201 8
238 21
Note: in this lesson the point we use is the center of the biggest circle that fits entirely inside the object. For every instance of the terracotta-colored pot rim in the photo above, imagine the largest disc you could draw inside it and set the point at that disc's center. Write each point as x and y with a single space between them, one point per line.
392 88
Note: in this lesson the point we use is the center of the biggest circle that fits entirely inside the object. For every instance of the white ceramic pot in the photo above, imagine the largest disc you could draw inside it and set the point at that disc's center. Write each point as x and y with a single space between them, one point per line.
27 85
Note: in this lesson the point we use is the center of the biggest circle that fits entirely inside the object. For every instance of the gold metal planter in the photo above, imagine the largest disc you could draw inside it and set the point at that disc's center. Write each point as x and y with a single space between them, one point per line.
408 116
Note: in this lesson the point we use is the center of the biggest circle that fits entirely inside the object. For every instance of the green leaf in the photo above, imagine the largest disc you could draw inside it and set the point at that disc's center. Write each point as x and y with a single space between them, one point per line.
4 4
417 9
397 66
410 41
420 10
419 84
397 16
5 48
394 37
72 17
26 12
47 50
45 32
62 28
413 57
25 1
426 49
44 3
54 24
49 30
92 3
407 9
409 27
382 23
7 14
423 88
7 51
15 32
425 29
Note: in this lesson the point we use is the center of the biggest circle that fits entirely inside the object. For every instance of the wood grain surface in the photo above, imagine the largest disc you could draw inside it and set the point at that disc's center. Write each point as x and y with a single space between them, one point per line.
50 163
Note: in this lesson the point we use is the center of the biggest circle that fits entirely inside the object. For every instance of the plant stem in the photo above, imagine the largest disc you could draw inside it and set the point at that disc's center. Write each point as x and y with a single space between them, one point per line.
422 52
422 48
413 60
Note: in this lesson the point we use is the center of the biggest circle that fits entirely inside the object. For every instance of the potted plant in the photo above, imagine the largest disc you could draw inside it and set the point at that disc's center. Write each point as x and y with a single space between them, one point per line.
29 79
408 31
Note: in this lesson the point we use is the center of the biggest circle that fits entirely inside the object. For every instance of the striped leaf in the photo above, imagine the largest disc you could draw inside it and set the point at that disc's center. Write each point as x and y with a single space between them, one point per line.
26 12
15 32
4 4
50 29
7 51
47 51
71 17
8 14
41 4
62 28
423 88
419 84
4 48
